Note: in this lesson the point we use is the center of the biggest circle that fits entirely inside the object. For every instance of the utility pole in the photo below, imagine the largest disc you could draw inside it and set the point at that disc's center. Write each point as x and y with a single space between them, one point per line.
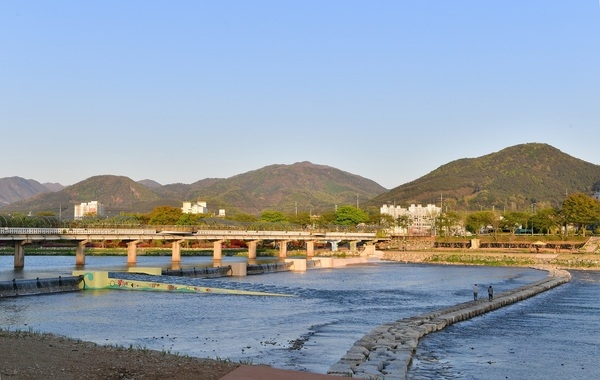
357 200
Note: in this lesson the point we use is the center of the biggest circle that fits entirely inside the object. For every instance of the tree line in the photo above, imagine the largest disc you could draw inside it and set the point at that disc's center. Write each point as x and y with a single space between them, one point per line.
578 210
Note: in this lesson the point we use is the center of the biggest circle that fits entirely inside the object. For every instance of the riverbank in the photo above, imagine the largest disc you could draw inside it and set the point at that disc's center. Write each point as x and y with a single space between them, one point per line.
30 355
496 258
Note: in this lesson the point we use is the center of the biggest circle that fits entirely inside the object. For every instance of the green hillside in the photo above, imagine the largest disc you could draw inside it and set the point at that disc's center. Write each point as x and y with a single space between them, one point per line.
513 178
303 186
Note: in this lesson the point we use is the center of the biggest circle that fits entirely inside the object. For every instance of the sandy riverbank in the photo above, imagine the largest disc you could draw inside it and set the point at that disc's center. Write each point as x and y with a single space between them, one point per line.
32 356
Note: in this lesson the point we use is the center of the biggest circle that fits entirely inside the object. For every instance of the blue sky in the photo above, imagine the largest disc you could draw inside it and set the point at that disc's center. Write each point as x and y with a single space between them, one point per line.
389 90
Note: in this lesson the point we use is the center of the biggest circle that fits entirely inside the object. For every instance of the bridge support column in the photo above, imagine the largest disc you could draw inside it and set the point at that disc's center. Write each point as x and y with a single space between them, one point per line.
80 252
310 248
252 249
334 245
20 253
283 248
353 246
176 251
132 251
369 249
217 250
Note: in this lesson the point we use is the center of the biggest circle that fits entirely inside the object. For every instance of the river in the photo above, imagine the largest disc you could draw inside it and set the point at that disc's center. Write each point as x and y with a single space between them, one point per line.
330 310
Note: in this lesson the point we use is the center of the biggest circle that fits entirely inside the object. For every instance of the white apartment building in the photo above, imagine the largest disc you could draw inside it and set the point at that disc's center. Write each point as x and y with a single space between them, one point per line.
194 208
421 219
89 208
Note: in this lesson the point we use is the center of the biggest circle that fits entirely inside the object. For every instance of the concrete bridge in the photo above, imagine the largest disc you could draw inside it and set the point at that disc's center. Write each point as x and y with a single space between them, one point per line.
132 237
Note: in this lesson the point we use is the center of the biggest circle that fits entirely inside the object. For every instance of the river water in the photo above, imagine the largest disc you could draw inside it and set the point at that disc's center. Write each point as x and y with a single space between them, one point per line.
330 310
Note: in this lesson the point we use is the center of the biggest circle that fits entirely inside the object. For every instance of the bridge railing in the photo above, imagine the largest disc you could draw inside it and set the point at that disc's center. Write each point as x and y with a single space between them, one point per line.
74 231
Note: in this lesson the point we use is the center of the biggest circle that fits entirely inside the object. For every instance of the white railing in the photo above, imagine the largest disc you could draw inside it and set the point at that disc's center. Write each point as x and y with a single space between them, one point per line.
74 231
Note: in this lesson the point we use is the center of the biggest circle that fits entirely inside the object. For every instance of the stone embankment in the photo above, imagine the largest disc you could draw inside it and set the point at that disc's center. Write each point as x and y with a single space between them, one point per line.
386 352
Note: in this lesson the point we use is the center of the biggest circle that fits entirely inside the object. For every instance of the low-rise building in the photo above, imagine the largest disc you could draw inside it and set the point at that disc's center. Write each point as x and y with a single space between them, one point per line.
87 209
421 220
194 208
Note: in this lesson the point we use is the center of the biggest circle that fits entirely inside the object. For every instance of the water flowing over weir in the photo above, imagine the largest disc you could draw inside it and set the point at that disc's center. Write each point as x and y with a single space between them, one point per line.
206 272
61 284
268 268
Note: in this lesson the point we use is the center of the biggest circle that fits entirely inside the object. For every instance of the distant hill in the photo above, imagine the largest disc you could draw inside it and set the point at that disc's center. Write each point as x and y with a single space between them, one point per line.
303 186
53 186
511 179
150 183
15 189
117 193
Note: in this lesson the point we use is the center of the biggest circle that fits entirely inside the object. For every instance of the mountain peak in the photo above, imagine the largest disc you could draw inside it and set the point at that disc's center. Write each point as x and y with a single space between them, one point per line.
512 178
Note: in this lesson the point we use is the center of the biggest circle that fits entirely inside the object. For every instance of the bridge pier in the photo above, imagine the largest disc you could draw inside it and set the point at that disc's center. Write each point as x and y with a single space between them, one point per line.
20 253
217 250
369 249
334 245
132 251
283 248
310 248
176 251
80 252
353 246
252 249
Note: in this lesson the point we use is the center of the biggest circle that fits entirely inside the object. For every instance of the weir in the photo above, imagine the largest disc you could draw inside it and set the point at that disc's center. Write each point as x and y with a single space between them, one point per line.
61 284
268 268
102 280
206 272
386 352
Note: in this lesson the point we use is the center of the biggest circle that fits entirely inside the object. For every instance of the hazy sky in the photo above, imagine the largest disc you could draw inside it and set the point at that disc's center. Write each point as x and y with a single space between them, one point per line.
178 91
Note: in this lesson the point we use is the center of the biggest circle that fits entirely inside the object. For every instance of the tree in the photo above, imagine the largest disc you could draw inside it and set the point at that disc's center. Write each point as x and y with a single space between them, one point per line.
446 221
350 216
272 216
511 220
384 220
242 217
581 210
404 221
190 219
545 219
164 215
301 218
478 221
326 219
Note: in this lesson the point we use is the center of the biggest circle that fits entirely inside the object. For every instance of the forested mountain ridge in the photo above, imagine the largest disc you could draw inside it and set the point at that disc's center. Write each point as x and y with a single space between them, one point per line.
117 193
301 186
516 178
14 189
511 179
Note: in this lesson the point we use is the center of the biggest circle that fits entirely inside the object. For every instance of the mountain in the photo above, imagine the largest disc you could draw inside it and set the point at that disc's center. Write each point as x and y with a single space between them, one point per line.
150 184
14 189
514 178
117 193
53 186
302 186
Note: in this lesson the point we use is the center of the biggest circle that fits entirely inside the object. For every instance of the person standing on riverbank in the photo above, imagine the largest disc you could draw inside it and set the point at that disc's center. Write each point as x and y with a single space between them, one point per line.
475 292
490 293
